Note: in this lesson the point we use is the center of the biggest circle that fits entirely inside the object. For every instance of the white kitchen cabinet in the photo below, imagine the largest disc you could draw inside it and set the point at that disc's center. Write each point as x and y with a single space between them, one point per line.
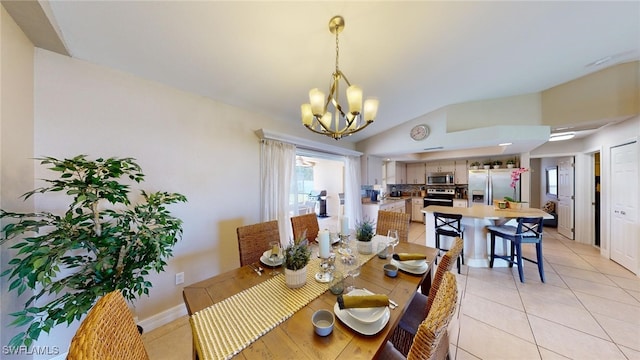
460 203
416 173
440 166
416 209
372 170
396 172
462 172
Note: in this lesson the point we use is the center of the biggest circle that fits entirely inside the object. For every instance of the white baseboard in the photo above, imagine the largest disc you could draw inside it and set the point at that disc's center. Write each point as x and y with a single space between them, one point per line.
163 318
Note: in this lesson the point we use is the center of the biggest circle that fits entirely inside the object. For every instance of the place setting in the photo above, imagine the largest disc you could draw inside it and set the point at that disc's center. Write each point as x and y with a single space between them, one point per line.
273 257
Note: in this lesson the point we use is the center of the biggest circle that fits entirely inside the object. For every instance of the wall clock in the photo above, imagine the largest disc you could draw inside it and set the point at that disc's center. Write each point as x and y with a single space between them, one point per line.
419 132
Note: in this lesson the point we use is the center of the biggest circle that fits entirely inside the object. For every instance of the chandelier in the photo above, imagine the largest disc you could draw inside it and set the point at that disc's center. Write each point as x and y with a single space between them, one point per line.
317 116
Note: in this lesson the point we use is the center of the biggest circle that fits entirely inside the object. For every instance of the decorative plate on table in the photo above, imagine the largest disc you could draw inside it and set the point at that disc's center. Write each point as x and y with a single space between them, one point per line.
418 271
266 259
365 315
360 327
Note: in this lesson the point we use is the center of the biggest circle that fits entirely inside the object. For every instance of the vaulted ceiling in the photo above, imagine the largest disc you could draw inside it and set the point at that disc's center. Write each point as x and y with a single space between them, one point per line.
415 56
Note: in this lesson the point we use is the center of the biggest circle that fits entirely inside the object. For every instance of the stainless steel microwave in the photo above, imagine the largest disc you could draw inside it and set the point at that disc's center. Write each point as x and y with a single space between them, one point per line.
440 179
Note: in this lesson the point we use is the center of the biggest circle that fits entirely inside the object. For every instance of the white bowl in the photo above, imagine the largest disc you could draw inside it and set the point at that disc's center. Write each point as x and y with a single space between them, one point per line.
413 264
323 321
365 315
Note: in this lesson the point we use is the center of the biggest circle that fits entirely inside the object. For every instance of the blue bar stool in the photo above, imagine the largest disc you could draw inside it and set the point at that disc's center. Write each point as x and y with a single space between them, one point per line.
528 231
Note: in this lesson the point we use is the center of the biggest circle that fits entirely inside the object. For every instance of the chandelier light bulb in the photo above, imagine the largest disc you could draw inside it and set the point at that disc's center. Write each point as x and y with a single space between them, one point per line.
370 109
316 99
307 115
354 96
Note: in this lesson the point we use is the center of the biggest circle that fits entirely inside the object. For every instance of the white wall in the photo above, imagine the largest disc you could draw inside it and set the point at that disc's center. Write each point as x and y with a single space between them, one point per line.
16 146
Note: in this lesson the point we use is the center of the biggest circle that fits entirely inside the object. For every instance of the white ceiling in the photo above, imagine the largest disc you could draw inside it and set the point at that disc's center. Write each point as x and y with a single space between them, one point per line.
414 56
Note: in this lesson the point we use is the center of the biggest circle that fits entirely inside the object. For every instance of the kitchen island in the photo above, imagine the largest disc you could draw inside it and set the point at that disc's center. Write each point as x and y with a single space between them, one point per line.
475 219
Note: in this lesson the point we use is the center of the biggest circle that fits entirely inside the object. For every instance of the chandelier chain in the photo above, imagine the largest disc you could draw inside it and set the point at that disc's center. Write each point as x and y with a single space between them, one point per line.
337 52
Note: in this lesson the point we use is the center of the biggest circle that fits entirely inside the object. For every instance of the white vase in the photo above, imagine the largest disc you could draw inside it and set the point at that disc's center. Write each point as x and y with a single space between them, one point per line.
487 167
295 278
509 166
496 166
365 247
474 168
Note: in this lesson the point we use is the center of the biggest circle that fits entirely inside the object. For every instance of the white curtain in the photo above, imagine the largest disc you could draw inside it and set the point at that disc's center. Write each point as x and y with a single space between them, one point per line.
352 199
278 169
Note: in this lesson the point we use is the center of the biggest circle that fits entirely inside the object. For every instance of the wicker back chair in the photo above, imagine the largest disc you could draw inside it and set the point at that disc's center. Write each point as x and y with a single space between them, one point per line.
420 306
391 220
432 339
108 332
253 240
308 223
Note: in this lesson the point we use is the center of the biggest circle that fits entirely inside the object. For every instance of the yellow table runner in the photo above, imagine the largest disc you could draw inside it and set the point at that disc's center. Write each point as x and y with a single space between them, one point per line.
226 328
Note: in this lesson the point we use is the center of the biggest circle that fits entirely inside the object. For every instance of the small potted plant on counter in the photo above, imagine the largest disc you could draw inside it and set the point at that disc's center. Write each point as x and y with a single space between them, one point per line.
364 234
296 258
497 164
475 165
511 163
487 164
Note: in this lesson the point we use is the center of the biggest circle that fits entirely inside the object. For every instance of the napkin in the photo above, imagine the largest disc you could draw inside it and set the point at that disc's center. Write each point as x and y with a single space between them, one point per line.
362 301
408 256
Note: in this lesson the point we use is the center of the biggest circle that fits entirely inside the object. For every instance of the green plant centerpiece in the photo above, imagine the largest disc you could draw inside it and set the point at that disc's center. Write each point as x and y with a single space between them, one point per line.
364 234
296 257
101 243
475 164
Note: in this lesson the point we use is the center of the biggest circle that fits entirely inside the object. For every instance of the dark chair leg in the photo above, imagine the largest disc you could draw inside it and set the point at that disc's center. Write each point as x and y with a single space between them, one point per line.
437 247
458 262
519 258
493 249
540 263
513 252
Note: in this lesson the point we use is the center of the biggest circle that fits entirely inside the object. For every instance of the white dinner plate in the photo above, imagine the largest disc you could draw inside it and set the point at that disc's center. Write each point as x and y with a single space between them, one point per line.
362 328
266 259
365 315
418 271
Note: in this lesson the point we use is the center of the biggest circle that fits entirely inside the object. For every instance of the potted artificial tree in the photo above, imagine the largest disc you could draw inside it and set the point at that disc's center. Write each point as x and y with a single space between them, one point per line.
497 164
487 164
296 258
364 234
99 244
511 163
475 165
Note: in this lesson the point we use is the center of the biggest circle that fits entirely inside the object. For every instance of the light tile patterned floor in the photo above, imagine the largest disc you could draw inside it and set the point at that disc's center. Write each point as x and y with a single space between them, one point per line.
589 308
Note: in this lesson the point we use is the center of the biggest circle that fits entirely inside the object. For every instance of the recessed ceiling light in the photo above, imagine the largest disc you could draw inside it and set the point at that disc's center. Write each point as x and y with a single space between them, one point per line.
505 144
562 136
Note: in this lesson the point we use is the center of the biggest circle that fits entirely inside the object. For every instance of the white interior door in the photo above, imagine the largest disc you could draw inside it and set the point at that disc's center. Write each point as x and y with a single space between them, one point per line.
565 197
624 205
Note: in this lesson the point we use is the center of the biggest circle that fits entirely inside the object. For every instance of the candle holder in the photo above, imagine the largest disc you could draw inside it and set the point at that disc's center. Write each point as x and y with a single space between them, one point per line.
327 266
344 241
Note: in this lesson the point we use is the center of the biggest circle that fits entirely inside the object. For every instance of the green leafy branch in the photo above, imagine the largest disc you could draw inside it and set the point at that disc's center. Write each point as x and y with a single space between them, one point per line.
88 251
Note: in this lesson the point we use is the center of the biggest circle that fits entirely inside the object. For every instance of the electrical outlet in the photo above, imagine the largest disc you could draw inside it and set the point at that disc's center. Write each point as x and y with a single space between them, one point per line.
179 278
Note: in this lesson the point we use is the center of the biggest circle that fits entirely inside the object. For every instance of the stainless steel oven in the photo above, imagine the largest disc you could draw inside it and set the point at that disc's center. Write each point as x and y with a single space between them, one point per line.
437 196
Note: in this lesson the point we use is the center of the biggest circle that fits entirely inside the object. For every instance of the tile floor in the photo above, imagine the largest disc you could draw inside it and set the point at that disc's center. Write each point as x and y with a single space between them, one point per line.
589 308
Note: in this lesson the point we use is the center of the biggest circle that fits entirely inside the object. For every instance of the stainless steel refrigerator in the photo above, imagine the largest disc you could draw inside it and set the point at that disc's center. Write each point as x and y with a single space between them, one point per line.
488 185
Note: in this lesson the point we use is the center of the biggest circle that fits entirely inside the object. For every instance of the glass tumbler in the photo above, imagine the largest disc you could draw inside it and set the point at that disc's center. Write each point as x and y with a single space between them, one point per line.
336 285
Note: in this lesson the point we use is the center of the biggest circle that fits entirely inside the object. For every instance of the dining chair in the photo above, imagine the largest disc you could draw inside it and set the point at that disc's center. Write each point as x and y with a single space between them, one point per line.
420 305
432 337
253 240
391 220
108 332
308 223
448 225
528 231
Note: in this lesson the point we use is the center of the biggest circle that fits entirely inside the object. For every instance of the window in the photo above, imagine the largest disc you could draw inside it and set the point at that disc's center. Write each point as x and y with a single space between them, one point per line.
552 180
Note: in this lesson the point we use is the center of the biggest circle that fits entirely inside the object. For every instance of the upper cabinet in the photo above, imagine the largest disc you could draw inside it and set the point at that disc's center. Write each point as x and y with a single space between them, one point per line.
447 166
416 173
462 172
396 172
371 170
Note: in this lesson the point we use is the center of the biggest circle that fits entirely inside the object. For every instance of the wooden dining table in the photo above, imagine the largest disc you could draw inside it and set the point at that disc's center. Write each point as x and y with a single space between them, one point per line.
294 338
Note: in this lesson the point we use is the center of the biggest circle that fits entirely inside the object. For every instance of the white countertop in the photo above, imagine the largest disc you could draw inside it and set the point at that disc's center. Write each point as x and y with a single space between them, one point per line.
488 212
